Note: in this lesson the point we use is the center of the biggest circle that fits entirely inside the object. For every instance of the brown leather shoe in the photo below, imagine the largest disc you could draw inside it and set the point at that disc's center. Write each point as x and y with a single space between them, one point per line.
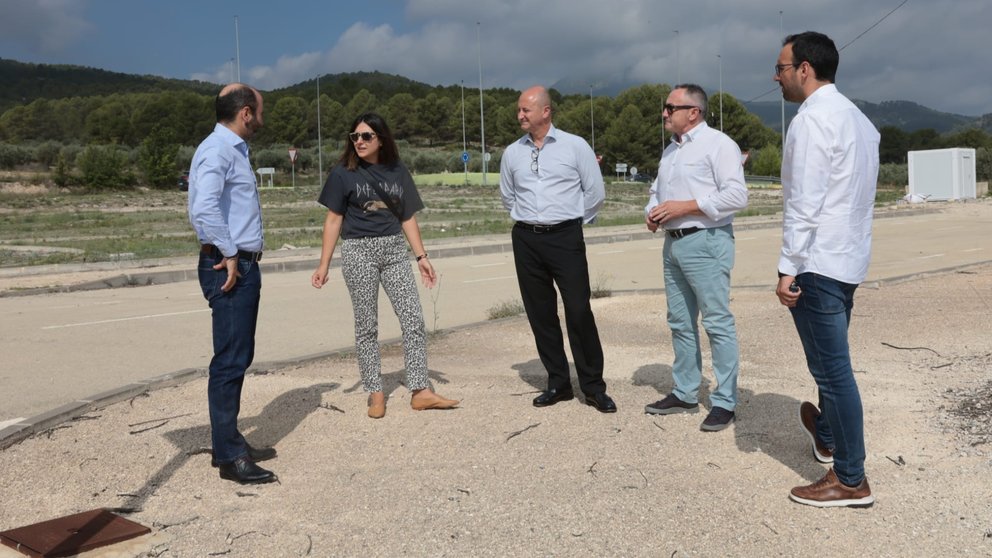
808 413
427 399
829 492
377 405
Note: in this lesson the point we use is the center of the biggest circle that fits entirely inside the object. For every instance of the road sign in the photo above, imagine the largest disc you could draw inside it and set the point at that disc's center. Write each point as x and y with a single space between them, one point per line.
489 157
621 167
633 171
292 155
464 156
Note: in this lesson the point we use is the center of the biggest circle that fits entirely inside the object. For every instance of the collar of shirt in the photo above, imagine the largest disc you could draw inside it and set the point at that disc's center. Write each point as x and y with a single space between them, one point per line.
234 140
552 135
818 96
690 135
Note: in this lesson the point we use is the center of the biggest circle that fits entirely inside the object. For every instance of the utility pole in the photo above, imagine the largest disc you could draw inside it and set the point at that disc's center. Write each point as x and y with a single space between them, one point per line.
237 47
482 110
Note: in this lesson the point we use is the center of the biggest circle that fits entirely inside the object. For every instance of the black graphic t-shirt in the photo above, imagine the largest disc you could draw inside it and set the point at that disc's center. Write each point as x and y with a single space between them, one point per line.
365 214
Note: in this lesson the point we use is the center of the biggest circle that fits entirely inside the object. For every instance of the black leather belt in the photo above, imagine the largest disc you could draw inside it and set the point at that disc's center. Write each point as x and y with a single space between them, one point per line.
679 233
242 254
540 229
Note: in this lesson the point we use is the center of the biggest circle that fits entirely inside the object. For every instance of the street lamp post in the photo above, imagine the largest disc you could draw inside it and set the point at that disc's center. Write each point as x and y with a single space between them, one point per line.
781 31
592 121
720 58
678 60
482 110
237 47
464 144
320 151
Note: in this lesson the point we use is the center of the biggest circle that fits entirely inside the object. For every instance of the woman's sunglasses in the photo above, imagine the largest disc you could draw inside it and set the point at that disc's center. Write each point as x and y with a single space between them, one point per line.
366 136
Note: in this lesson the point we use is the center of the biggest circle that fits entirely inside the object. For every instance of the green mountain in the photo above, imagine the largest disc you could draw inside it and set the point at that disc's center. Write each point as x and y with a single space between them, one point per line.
21 83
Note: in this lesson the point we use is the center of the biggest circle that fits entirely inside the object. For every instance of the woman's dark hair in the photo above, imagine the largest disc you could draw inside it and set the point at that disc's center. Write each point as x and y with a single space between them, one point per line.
388 154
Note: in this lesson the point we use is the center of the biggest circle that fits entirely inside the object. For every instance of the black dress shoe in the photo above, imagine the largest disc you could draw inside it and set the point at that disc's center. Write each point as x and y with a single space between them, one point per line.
552 396
244 471
602 402
255 454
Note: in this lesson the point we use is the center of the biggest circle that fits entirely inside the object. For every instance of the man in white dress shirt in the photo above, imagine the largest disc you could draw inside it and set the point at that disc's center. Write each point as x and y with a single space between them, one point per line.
700 186
829 172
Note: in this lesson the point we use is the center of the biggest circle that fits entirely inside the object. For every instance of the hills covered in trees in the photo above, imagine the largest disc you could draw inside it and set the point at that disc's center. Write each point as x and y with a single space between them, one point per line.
71 105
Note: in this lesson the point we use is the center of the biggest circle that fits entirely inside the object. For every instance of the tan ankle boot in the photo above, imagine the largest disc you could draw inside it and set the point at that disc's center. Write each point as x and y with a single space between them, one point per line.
377 405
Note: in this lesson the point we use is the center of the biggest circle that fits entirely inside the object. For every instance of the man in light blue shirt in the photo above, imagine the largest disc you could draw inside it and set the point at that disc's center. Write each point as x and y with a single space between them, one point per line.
551 184
225 212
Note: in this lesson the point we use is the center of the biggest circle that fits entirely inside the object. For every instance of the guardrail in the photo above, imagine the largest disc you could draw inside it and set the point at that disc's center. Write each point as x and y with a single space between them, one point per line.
755 178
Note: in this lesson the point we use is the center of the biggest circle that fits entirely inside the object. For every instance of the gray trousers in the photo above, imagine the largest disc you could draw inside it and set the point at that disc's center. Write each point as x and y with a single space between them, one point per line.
367 263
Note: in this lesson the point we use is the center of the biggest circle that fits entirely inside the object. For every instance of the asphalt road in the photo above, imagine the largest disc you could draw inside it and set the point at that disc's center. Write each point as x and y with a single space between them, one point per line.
62 347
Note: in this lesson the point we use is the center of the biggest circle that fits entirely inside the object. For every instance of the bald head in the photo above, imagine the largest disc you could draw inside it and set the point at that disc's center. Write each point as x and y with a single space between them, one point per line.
534 111
232 98
239 108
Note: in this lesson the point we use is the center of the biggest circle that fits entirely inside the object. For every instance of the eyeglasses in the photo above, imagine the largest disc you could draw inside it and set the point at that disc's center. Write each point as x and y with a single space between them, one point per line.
779 68
534 154
366 136
675 108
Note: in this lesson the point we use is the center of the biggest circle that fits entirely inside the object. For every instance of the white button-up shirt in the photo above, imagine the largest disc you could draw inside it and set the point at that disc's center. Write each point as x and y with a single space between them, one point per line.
829 174
559 182
703 165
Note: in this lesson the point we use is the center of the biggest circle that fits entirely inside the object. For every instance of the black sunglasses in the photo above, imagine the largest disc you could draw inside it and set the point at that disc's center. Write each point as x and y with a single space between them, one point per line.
676 108
366 136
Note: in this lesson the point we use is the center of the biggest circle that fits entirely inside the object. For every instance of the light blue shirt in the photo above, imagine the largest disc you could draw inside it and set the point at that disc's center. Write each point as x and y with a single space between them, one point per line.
559 182
224 208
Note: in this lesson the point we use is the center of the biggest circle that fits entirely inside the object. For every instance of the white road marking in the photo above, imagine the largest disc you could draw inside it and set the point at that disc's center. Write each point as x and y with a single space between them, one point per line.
490 279
948 228
145 317
109 302
930 256
973 250
487 265
610 252
11 422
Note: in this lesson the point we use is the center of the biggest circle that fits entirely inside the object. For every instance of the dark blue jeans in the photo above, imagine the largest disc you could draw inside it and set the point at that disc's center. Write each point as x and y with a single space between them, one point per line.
234 315
822 316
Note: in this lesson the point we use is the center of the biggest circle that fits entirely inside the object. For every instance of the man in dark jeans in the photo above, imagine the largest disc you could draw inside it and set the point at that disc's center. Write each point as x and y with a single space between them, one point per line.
551 184
224 210
829 174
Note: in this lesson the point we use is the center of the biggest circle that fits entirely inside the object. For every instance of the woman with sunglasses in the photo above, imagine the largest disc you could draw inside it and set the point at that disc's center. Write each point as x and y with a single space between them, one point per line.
371 202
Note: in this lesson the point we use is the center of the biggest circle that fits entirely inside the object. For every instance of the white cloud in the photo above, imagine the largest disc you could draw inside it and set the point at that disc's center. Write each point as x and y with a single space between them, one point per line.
908 56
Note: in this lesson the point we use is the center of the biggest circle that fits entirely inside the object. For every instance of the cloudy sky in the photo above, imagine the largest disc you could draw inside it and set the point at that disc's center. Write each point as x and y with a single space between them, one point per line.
933 52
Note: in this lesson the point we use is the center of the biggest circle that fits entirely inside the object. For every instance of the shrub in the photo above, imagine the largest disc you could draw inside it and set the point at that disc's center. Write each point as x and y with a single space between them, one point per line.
427 162
157 157
47 153
893 174
767 161
104 167
505 309
61 176
13 155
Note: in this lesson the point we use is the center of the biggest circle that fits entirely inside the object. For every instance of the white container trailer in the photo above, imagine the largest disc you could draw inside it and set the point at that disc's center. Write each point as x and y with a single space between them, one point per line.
942 174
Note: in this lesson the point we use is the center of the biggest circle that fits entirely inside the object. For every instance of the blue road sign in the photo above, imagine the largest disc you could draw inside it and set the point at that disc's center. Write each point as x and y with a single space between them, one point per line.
464 156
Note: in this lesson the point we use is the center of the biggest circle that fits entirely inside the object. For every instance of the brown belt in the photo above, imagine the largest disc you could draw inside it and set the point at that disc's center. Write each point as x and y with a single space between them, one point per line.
212 250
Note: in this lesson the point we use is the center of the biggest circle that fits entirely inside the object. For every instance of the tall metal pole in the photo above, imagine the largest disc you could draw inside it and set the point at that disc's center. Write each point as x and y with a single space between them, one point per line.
231 67
721 90
237 47
320 151
482 110
592 121
781 31
464 143
678 60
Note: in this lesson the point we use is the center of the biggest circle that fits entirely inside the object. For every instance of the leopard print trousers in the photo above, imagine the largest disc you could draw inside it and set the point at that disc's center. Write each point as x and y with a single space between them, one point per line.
367 262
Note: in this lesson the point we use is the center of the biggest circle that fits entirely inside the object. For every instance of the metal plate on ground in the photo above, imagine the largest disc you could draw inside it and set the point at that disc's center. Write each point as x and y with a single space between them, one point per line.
72 534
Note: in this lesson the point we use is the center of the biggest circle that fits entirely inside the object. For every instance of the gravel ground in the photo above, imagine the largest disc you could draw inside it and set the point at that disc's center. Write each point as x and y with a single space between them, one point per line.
498 477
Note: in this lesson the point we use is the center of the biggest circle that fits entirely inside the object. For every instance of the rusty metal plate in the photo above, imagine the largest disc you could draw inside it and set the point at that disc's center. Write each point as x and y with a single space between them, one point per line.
72 534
